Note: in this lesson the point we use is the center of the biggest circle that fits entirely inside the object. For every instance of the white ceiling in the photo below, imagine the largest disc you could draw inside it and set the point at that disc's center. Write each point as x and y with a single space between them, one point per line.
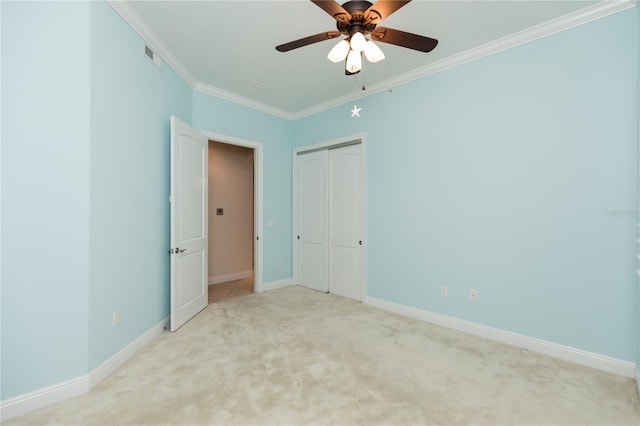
220 46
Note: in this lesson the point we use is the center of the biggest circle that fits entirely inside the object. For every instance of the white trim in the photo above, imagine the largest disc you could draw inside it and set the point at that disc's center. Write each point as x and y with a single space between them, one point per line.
327 144
135 21
112 364
258 188
579 17
582 16
41 398
274 285
566 353
241 100
45 397
638 381
219 279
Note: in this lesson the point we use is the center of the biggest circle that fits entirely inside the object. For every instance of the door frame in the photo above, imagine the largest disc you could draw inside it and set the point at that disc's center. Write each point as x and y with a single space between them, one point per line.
360 138
258 179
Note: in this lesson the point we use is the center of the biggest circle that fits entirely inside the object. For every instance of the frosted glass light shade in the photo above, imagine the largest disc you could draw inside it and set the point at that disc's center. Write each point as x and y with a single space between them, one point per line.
339 52
358 42
373 52
354 62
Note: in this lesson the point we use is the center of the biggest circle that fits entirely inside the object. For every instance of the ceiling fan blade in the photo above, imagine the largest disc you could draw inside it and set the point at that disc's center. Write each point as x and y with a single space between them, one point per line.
333 9
307 40
382 9
403 39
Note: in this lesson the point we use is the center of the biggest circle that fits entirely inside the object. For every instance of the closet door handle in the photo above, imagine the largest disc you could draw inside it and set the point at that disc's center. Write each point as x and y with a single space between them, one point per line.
360 242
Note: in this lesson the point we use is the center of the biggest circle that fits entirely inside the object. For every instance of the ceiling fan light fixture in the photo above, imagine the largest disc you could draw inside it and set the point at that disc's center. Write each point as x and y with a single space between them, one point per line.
373 52
339 52
354 62
358 42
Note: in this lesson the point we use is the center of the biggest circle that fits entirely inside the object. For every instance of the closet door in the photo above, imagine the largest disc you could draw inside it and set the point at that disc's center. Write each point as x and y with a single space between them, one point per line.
312 220
346 222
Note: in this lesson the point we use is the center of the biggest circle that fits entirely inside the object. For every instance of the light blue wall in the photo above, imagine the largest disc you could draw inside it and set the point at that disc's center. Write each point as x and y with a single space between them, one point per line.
223 117
638 334
131 102
85 186
45 194
497 175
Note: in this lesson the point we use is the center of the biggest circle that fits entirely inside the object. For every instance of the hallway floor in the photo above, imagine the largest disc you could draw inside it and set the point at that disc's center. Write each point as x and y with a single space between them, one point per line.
230 289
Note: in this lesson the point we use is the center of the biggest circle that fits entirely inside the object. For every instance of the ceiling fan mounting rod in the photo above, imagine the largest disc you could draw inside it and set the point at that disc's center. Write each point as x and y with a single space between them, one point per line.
356 7
355 28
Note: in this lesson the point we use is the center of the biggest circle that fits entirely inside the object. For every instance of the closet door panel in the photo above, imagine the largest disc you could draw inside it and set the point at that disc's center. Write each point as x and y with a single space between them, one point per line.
345 221
312 220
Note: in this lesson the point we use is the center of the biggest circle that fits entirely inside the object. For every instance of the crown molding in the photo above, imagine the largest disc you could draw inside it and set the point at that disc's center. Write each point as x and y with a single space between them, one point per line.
241 100
574 19
135 21
129 14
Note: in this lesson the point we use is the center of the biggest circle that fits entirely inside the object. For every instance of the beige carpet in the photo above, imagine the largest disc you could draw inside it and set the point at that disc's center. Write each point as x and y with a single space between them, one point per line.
298 357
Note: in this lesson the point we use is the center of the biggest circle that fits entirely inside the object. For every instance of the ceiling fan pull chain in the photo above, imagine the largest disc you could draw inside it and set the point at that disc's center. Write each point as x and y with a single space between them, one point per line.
363 87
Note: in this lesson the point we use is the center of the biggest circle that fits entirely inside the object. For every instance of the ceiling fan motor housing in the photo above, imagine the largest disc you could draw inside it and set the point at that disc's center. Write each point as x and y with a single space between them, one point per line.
358 22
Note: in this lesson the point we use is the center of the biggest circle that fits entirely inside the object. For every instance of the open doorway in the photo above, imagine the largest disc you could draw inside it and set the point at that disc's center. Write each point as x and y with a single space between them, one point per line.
231 243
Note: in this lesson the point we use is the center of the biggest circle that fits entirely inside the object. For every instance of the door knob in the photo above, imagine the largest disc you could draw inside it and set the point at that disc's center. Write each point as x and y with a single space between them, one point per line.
178 250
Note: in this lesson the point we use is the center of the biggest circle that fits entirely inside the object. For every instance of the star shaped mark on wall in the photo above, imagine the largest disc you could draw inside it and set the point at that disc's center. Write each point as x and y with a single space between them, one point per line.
355 112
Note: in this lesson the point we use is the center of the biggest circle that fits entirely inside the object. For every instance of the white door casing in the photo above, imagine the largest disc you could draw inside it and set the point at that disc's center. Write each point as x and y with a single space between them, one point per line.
189 227
345 221
258 150
312 220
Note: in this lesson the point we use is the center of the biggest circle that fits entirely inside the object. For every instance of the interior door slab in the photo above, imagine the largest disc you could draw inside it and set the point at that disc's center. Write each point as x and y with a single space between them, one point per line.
189 224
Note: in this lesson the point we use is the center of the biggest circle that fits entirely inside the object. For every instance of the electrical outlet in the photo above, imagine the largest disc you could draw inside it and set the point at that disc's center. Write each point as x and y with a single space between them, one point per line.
116 318
444 292
473 295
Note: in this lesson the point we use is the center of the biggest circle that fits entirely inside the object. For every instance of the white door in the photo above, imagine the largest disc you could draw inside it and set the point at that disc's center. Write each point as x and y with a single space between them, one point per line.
312 220
346 222
189 174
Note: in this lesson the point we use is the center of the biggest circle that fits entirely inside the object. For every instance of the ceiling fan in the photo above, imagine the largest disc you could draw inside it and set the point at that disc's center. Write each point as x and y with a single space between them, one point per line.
357 19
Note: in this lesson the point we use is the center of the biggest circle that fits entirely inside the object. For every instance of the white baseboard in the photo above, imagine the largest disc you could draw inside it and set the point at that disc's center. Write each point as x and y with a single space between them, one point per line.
273 285
42 398
219 279
112 364
567 353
